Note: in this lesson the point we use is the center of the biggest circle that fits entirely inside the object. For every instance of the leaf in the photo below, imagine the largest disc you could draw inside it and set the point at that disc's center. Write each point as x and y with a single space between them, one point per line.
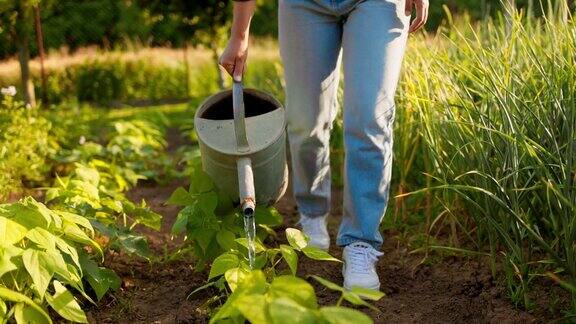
7 294
181 197
87 174
356 300
200 182
181 221
99 278
203 237
135 244
6 255
296 238
268 216
234 277
328 284
253 283
10 232
208 202
342 315
287 311
40 270
294 288
253 307
366 293
26 314
317 254
145 216
76 219
63 303
42 238
290 256
223 263
258 247
226 239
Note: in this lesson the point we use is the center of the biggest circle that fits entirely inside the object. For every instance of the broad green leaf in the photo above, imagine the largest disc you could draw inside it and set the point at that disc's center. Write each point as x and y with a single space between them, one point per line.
294 288
234 277
296 238
16 297
253 283
203 237
26 314
42 238
284 310
101 279
145 216
76 219
87 189
40 269
366 293
356 300
30 213
200 182
181 197
182 219
268 216
76 234
226 239
135 244
68 249
253 307
342 315
290 256
6 255
87 174
222 264
63 303
10 232
208 202
317 254
258 247
328 284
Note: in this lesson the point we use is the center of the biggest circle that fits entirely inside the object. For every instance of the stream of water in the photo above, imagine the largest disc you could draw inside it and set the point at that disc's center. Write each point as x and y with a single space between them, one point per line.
250 228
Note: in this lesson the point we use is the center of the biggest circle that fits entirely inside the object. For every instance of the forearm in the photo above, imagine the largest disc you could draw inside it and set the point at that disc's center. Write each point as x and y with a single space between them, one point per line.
243 12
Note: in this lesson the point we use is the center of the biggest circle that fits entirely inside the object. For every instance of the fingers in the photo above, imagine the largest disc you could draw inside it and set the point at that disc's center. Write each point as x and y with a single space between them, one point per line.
408 7
238 70
421 15
227 65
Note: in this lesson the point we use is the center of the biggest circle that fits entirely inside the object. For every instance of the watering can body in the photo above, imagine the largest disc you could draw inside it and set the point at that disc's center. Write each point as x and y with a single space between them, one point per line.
248 142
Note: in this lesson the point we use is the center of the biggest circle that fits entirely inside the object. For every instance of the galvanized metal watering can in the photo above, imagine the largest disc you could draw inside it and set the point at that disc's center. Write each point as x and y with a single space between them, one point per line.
242 136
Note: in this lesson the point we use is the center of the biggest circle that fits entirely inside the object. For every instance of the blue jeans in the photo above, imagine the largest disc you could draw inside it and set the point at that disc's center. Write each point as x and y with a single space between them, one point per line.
371 35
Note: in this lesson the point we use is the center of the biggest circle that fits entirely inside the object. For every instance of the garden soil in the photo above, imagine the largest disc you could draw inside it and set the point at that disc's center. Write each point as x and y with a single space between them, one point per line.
449 290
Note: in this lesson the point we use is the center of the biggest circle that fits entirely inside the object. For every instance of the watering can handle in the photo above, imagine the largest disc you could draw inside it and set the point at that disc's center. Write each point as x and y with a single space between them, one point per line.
239 117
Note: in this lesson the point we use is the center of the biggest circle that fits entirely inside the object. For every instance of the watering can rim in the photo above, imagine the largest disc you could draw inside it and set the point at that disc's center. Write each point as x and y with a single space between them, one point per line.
228 92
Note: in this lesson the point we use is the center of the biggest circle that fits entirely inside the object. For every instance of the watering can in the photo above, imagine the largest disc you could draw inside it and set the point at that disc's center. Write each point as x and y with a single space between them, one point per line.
242 137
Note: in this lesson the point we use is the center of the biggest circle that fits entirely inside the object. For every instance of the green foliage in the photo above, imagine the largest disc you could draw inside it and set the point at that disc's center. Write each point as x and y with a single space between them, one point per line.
25 146
43 256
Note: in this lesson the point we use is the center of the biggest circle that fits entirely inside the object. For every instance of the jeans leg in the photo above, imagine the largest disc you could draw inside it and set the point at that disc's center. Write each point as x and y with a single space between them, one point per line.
310 46
374 41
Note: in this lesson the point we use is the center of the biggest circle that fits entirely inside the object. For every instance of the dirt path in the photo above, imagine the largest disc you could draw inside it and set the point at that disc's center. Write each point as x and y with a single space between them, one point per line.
455 290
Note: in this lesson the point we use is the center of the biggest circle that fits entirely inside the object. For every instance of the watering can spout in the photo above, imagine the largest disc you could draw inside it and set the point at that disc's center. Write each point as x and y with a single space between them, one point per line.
245 174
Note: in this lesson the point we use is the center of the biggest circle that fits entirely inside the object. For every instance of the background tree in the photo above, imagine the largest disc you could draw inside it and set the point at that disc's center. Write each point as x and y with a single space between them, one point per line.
16 17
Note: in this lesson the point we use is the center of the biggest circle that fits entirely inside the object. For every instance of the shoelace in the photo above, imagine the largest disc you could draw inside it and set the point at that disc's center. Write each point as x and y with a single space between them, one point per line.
361 257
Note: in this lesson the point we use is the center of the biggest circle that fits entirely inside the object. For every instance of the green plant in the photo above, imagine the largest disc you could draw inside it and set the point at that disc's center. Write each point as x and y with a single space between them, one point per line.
43 256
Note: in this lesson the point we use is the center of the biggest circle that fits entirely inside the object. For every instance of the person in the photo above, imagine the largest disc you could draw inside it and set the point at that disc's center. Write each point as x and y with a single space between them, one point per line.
369 37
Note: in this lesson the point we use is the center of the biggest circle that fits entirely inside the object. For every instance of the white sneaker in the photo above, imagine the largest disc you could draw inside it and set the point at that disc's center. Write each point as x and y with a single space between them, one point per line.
360 266
315 228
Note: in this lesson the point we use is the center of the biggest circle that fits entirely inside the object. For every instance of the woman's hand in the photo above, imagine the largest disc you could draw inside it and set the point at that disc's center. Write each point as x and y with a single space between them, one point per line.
233 59
421 13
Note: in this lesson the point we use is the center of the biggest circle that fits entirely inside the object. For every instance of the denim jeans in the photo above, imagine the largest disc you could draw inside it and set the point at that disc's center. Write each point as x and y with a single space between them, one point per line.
371 36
